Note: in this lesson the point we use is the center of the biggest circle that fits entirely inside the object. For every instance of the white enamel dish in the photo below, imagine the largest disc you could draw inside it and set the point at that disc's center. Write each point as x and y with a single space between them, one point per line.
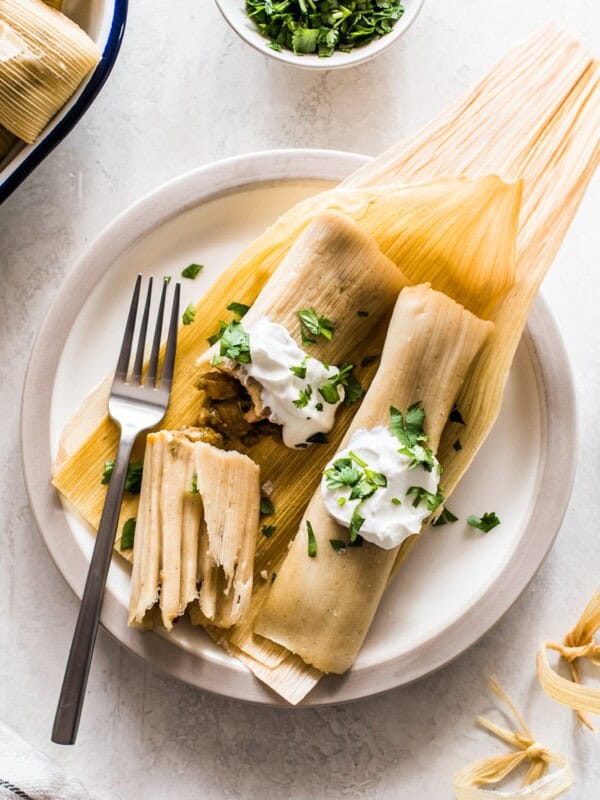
524 471
234 12
104 21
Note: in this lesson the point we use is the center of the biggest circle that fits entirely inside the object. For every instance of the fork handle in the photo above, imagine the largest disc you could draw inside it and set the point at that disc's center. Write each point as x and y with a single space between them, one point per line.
68 712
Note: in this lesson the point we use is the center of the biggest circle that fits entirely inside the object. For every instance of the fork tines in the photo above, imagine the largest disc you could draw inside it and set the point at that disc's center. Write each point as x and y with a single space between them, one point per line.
152 379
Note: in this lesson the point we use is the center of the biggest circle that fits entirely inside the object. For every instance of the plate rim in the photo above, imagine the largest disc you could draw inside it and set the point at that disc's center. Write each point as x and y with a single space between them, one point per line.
555 474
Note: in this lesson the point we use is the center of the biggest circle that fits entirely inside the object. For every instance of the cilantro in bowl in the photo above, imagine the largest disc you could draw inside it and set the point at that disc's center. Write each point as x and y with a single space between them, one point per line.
323 26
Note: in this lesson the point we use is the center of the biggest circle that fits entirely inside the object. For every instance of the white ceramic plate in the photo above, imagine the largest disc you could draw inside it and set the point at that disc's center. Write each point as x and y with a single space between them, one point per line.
234 11
208 216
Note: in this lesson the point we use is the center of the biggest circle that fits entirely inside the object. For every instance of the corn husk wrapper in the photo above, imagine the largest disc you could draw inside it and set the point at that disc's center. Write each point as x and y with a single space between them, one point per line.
321 608
538 784
44 56
187 540
578 643
536 116
335 267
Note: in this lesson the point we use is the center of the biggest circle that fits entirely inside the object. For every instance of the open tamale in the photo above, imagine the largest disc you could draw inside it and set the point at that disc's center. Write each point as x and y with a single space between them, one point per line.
196 531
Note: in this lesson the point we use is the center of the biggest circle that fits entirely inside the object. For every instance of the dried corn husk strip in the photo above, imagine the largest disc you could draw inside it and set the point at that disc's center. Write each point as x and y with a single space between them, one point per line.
44 56
291 680
537 785
321 608
337 268
578 643
184 539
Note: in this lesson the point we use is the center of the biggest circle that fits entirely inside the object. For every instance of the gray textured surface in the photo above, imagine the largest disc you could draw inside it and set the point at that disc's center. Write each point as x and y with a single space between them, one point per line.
185 92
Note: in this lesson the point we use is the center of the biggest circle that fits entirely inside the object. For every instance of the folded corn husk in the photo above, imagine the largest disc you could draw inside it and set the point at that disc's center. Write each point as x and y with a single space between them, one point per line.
321 608
535 116
196 527
578 643
44 56
537 785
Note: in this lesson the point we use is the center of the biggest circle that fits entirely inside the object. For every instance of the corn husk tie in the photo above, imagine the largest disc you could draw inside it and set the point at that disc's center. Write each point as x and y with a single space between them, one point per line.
538 783
578 643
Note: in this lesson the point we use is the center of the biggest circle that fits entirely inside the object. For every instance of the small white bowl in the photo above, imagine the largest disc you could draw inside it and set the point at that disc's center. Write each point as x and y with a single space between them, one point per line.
234 12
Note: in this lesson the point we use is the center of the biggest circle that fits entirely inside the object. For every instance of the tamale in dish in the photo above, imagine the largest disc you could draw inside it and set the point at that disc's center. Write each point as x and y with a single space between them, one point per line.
44 58
526 138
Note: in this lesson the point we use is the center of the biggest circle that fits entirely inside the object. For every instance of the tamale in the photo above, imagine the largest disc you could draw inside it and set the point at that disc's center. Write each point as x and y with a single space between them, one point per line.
196 531
44 56
321 608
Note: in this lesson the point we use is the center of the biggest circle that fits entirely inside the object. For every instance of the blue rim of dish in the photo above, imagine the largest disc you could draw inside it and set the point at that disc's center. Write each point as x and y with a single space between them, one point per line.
72 117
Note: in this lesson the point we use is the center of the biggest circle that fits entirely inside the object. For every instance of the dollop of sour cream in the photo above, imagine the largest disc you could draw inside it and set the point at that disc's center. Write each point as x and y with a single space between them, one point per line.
292 401
390 514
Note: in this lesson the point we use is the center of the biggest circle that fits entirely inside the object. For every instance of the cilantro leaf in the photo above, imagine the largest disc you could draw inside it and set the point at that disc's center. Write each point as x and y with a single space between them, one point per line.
338 545
356 523
342 473
235 343
311 324
239 309
189 315
445 518
128 534
268 530
457 445
432 501
303 397
312 542
484 523
194 489
266 506
216 336
133 480
192 271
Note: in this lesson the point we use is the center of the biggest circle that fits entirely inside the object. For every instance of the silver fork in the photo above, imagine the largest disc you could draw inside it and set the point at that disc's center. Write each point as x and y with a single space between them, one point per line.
135 407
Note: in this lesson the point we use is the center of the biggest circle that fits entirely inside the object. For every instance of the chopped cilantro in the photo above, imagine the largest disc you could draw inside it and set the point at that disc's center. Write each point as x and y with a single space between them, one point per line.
457 445
338 545
266 506
322 26
167 279
128 534
216 361
273 576
319 406
432 501
396 501
342 473
341 501
318 438
216 336
353 391
312 542
189 315
235 343
133 481
194 489
268 530
445 518
311 324
356 523
192 271
485 523
303 397
239 309
300 370
410 433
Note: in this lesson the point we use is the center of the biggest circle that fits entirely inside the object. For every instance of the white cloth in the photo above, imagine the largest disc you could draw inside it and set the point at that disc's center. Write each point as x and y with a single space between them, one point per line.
26 774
